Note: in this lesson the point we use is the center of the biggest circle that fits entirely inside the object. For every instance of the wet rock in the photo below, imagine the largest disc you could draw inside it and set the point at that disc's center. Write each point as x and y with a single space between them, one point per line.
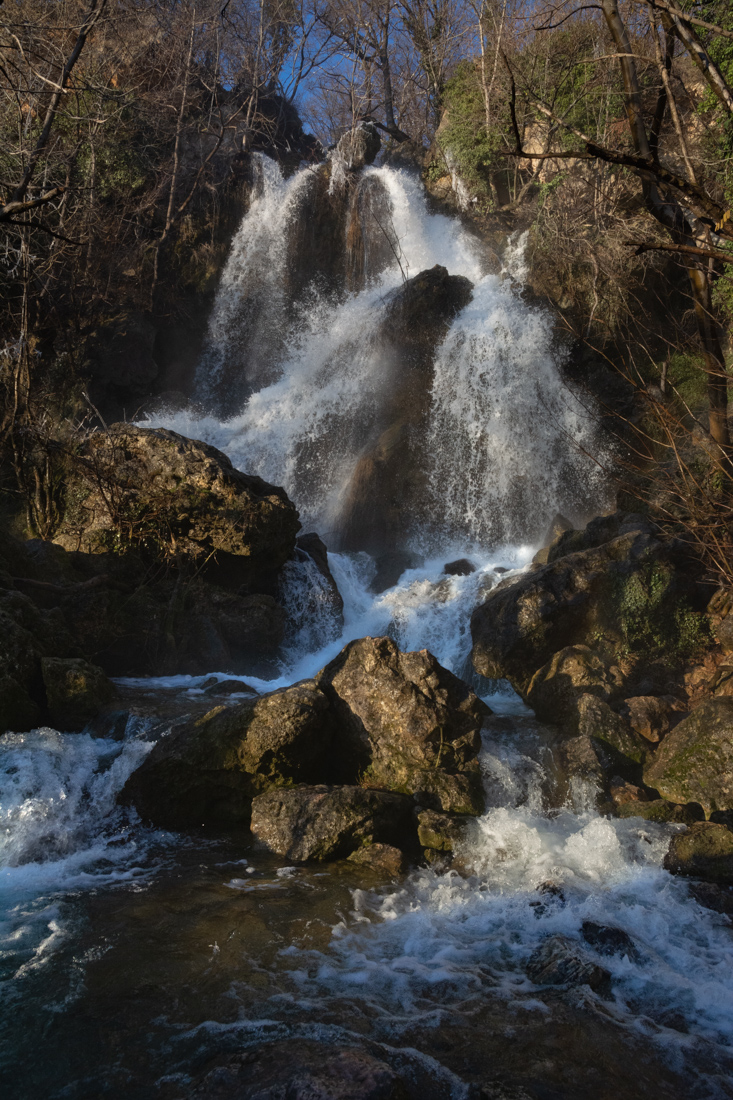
623 751
229 687
649 715
444 832
314 546
408 723
299 1069
581 758
607 940
559 961
555 689
462 567
627 594
552 897
705 851
210 769
713 896
168 494
624 793
390 567
659 809
694 763
389 486
384 859
76 691
359 146
325 823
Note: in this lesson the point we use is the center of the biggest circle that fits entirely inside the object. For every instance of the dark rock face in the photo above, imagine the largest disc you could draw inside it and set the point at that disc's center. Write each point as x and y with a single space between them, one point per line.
359 146
462 567
300 1069
76 691
621 750
559 961
694 763
627 594
649 715
607 940
388 484
322 822
408 722
705 851
211 769
159 490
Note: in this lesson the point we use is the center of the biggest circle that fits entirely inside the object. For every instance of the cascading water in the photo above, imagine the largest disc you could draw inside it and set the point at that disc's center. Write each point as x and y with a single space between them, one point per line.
131 957
505 440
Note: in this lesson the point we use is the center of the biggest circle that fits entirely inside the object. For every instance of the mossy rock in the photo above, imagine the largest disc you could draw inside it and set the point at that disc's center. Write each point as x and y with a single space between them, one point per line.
694 763
663 812
76 691
705 851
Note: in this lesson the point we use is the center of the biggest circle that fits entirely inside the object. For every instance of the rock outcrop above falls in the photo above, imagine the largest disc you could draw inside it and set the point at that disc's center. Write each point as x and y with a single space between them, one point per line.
179 498
374 720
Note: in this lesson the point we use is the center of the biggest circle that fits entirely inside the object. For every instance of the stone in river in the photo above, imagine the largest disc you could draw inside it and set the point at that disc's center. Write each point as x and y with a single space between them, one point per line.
325 823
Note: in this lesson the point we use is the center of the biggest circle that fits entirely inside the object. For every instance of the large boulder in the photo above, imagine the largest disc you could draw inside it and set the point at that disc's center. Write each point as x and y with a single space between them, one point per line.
555 689
694 763
407 724
705 851
176 498
76 691
210 769
633 595
325 823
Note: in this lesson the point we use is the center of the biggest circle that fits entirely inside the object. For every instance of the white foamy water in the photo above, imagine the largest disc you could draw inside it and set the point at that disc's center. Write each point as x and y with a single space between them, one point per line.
443 940
506 442
60 831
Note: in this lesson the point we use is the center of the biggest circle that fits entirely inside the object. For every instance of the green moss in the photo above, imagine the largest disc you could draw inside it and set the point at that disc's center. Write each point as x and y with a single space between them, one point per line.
653 620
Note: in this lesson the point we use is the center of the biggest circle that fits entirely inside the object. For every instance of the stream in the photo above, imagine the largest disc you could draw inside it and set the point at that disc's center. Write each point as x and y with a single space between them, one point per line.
130 957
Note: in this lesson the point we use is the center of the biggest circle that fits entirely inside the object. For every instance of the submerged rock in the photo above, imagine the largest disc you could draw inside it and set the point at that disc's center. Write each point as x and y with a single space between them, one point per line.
705 851
407 723
76 691
325 823
560 961
694 763
607 940
300 1069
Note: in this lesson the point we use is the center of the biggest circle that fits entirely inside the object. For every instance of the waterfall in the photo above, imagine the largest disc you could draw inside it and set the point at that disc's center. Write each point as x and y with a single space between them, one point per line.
505 443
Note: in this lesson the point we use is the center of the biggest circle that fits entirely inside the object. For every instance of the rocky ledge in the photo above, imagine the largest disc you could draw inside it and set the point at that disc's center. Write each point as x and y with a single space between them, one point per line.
163 559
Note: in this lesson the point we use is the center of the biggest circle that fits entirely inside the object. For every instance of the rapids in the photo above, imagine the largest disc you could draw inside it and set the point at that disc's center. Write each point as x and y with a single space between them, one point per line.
132 956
